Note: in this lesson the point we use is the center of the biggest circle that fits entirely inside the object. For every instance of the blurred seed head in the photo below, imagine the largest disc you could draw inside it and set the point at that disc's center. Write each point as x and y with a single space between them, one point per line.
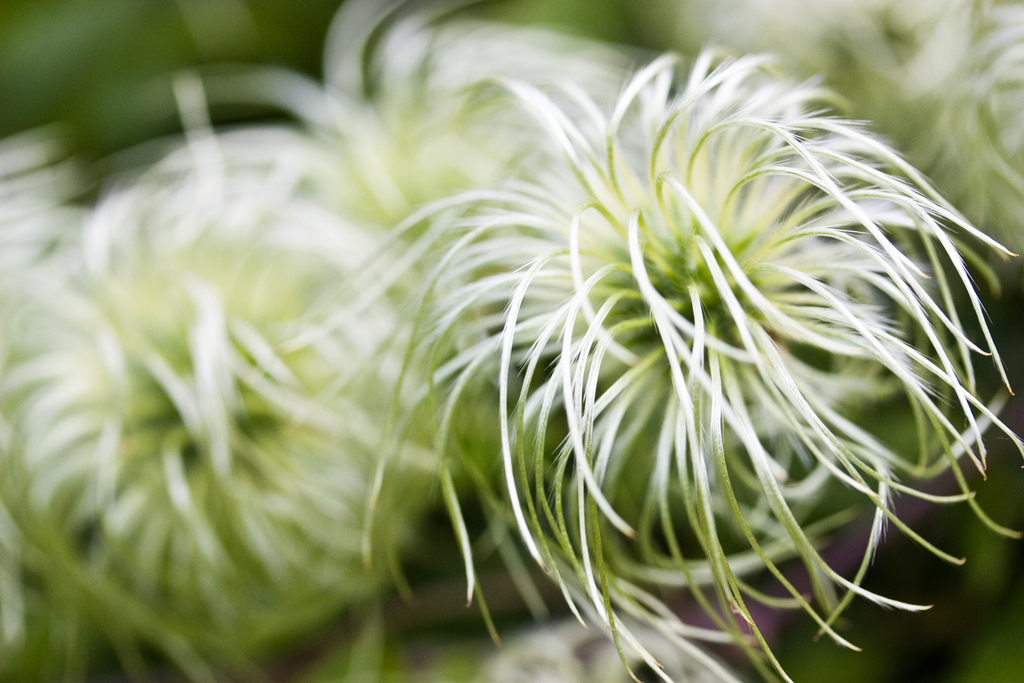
942 79
408 111
194 409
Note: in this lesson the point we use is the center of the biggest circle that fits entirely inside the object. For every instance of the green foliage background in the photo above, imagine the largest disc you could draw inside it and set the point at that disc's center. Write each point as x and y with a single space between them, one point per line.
102 69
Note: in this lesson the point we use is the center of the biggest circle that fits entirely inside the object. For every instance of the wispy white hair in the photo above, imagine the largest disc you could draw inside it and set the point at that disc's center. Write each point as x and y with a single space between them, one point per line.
687 312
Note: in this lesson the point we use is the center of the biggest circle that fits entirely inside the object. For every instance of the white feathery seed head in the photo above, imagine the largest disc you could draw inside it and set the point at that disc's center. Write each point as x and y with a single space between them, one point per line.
688 311
194 410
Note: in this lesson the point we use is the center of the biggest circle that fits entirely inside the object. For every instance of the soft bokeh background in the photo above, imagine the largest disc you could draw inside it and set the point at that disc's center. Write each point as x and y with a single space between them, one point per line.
102 70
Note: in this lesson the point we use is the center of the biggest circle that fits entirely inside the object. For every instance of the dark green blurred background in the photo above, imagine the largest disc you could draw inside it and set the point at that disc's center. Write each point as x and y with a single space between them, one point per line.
103 68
